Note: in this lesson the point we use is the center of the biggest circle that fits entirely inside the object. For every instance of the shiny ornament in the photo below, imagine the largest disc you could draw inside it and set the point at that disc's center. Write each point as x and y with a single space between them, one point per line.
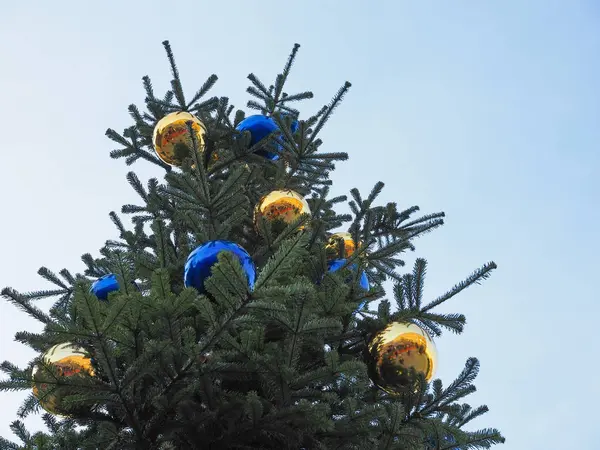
107 284
294 126
199 263
397 354
63 360
104 286
261 127
280 208
333 244
337 264
172 140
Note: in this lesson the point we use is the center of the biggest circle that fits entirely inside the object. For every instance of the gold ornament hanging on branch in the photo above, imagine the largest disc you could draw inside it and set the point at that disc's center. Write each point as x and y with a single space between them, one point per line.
398 354
280 208
172 139
61 361
337 240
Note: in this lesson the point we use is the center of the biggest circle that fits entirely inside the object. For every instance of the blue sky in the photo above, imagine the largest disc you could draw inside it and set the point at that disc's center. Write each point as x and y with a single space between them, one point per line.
488 111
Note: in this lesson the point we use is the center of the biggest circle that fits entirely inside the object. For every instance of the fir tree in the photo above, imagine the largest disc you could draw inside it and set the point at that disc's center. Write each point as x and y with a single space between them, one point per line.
274 367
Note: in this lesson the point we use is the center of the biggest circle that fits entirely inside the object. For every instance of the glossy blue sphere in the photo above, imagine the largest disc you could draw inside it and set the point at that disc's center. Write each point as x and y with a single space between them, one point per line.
107 284
337 264
260 127
199 263
363 282
104 286
294 126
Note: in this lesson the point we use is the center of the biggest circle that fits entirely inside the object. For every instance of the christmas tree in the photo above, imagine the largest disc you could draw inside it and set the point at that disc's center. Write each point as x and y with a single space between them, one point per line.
234 313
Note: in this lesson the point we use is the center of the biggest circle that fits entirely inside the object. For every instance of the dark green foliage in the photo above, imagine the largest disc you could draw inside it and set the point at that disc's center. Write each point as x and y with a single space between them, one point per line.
279 367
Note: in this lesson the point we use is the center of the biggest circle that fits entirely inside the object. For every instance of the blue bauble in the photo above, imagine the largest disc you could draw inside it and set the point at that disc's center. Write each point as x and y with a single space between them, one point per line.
199 263
260 127
104 286
294 126
336 264
107 284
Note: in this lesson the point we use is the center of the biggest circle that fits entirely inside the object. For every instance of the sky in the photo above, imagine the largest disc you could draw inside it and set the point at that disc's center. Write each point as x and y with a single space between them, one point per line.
488 111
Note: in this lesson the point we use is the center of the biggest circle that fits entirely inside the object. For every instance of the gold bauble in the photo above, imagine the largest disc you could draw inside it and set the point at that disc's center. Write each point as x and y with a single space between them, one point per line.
172 140
62 360
334 242
281 207
397 354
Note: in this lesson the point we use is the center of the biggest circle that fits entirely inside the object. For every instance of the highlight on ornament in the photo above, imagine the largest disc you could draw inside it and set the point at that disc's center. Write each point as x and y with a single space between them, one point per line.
281 207
172 139
198 266
344 240
260 127
61 361
398 354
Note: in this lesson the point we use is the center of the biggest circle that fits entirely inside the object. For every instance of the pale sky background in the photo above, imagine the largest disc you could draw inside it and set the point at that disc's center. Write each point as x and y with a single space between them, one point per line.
486 110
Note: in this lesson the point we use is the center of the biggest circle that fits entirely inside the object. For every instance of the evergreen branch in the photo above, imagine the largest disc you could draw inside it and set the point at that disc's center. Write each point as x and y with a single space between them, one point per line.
258 84
67 276
20 431
424 219
148 86
47 274
408 290
485 438
133 209
254 105
374 193
333 156
330 109
453 322
207 106
462 382
418 281
115 219
479 411
36 295
7 445
400 296
8 368
297 97
116 137
137 185
282 78
477 276
18 300
207 86
176 82
282 260
256 93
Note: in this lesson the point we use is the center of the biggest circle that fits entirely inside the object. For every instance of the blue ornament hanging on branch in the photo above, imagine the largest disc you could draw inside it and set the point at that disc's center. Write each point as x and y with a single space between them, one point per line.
199 263
107 284
260 127
336 264
104 286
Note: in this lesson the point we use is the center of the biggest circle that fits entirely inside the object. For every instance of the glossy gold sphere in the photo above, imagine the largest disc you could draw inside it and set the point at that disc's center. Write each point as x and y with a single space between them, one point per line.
333 244
397 354
281 207
172 140
62 360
